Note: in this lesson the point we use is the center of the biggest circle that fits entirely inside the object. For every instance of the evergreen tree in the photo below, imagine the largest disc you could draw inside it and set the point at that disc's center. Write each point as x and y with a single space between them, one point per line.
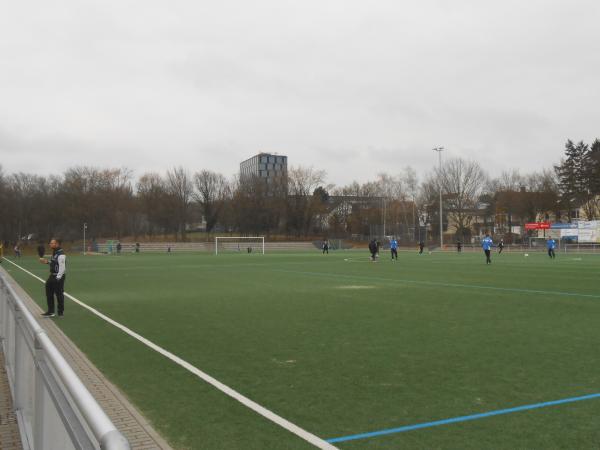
593 169
571 176
591 175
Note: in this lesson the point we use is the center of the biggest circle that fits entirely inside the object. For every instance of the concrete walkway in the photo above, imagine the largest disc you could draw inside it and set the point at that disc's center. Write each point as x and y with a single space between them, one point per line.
9 430
123 414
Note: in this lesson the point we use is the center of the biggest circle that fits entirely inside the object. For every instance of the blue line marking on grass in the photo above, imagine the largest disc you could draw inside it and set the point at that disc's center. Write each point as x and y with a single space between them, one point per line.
461 419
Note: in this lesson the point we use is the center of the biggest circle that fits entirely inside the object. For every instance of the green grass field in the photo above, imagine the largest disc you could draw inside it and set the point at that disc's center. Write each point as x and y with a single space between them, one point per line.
340 346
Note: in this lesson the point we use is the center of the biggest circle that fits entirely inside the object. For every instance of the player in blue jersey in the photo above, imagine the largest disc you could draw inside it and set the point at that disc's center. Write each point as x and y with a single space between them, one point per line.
394 249
487 244
551 245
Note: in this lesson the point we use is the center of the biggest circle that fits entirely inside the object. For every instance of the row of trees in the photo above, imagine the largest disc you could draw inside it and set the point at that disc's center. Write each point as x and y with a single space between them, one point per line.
301 204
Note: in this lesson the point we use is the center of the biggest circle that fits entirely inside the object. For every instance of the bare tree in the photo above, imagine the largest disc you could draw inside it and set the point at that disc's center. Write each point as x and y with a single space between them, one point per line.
211 191
544 195
302 205
257 206
180 188
462 182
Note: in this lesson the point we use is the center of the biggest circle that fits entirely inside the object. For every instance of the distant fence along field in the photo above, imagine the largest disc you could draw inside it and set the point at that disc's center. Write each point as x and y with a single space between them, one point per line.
157 247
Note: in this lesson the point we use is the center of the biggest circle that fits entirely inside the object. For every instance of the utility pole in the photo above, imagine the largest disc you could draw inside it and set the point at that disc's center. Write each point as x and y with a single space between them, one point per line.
84 228
439 150
383 200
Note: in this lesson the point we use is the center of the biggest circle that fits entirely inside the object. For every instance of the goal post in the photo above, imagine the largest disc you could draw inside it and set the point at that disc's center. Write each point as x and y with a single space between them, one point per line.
239 244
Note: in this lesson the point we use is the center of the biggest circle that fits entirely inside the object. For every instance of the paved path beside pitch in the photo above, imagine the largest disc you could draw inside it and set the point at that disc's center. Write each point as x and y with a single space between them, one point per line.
123 414
9 430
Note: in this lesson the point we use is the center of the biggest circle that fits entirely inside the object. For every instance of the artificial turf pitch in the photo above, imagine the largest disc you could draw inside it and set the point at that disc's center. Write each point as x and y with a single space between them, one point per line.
340 346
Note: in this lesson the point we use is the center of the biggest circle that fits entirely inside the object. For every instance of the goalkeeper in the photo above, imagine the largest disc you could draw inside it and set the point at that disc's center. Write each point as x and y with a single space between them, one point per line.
373 250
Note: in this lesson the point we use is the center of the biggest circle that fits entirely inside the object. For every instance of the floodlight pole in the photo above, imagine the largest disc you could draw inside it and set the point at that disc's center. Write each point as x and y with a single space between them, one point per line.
84 228
439 150
383 199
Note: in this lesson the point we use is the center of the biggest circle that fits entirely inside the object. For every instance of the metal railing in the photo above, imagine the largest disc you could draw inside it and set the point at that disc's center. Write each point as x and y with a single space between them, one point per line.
583 247
54 409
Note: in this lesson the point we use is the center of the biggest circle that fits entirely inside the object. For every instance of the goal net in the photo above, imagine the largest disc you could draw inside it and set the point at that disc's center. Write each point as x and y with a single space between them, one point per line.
238 244
539 243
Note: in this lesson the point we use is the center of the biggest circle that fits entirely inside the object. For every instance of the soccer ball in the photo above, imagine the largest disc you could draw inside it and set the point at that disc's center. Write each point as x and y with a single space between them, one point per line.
526 254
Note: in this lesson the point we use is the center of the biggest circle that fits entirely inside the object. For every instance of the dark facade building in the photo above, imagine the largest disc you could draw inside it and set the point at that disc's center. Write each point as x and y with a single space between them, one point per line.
264 165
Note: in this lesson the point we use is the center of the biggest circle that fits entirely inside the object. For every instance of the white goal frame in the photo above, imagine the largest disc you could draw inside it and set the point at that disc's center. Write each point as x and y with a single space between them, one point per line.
232 238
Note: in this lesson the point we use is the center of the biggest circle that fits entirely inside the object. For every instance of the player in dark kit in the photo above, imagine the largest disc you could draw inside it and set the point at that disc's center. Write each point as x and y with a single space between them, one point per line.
421 246
41 250
373 249
55 285
500 246
326 246
459 246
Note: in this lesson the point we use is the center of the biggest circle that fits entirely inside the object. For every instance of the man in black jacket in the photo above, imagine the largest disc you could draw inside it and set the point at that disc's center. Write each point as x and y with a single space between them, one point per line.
55 285
373 249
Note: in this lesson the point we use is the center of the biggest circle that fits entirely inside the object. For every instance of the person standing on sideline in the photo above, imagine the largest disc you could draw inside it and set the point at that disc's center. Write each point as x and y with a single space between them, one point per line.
459 246
421 247
373 250
500 246
55 285
17 250
119 248
41 250
326 246
394 248
486 244
551 245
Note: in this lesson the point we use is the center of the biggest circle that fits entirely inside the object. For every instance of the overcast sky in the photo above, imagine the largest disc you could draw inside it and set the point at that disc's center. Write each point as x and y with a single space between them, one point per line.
352 87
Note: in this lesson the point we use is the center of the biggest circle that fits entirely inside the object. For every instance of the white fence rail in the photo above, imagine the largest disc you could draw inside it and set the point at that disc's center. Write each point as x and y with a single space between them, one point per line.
54 409
582 248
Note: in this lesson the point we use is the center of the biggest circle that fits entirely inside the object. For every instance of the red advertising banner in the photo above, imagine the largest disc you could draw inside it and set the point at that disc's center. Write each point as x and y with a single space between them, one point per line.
537 226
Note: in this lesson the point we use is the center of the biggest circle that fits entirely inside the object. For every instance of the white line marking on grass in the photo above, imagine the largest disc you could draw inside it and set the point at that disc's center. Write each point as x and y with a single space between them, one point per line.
358 260
309 437
439 283
354 286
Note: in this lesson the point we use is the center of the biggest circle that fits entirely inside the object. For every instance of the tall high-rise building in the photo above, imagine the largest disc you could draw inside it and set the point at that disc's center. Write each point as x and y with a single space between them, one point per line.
264 165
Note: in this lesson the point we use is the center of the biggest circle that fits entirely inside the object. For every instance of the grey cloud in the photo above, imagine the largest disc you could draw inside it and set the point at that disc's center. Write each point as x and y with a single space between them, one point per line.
342 85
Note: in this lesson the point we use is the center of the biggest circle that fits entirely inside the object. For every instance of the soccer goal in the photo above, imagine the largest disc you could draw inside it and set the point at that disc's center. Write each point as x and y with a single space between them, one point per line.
237 244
